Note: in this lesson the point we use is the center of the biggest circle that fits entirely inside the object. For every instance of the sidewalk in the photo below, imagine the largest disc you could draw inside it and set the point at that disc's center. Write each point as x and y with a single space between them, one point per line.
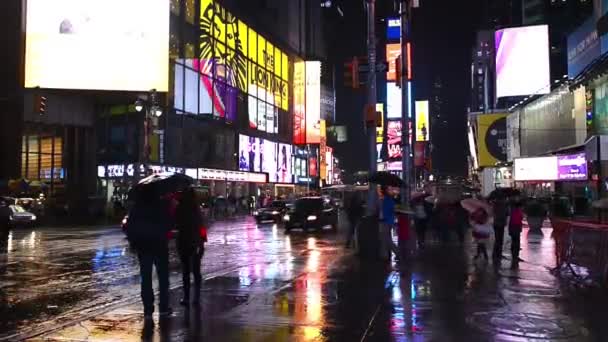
320 303
439 295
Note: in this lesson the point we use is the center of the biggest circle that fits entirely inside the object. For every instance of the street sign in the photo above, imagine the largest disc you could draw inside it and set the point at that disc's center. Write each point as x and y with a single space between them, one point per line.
380 67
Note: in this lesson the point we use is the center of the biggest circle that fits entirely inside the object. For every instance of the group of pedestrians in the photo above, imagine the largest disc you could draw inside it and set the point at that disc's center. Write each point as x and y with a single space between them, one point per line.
498 215
149 229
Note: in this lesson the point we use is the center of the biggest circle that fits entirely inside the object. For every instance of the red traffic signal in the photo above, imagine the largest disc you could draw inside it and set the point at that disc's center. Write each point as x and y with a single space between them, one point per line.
351 74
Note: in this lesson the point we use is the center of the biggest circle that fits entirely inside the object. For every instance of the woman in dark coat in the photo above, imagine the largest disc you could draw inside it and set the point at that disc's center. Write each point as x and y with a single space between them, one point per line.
190 245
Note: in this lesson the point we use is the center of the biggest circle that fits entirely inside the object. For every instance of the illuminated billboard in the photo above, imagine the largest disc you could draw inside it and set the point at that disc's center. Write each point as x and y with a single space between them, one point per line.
492 139
75 44
422 121
535 169
392 52
261 155
313 102
522 61
299 103
393 139
322 150
393 101
393 29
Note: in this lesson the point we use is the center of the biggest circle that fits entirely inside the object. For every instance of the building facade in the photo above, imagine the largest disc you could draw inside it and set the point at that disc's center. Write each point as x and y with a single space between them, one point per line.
226 106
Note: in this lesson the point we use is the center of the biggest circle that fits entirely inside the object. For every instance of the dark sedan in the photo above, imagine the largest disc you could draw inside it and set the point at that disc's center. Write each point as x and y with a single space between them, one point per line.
311 213
274 212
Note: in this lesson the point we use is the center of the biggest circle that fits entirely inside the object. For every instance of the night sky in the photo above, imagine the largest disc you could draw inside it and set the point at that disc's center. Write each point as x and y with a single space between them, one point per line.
442 39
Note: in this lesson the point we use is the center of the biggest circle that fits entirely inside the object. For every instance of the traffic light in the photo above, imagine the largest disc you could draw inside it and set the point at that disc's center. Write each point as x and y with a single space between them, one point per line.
40 104
351 74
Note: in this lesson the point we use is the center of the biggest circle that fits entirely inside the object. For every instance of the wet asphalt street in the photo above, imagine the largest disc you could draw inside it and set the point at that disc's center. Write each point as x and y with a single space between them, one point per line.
263 285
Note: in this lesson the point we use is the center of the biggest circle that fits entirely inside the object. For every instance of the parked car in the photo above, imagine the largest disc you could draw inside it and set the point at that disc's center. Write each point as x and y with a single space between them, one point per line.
274 212
311 213
15 216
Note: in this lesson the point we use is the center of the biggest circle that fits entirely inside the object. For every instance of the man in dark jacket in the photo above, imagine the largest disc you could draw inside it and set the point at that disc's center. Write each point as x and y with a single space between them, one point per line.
148 228
501 213
354 211
190 244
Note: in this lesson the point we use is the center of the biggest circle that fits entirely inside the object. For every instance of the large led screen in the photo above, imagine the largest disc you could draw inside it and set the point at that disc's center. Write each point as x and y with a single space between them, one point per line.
535 169
392 52
422 121
313 102
260 155
299 103
393 139
522 61
393 101
97 44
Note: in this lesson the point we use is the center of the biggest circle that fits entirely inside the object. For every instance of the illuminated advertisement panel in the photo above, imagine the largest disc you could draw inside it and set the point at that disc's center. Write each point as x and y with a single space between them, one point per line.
522 61
393 101
392 52
299 104
535 169
322 150
261 155
380 130
97 45
329 157
393 29
422 121
393 139
284 167
491 139
313 102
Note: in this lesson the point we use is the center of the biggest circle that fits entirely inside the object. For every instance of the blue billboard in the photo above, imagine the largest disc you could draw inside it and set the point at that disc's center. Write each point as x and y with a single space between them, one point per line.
583 47
393 29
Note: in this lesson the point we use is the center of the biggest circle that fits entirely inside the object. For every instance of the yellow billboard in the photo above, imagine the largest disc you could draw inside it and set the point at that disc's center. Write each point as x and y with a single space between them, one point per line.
380 129
241 57
422 121
491 139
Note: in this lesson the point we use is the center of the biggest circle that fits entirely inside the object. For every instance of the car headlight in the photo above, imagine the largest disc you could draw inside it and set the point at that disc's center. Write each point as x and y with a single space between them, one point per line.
34 217
255 213
311 217
275 213
286 218
124 221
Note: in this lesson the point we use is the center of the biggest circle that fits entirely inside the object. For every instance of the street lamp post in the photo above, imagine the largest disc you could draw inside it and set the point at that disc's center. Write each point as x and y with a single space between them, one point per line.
152 111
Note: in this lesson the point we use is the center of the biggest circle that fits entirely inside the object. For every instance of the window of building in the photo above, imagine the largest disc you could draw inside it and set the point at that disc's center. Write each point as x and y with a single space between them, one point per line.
41 157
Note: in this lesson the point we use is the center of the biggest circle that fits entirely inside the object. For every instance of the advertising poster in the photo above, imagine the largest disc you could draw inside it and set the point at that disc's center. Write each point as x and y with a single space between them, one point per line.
249 153
583 47
392 52
393 29
313 102
322 150
393 101
75 44
522 61
492 139
299 104
285 170
329 157
535 169
393 139
422 121
380 130
572 167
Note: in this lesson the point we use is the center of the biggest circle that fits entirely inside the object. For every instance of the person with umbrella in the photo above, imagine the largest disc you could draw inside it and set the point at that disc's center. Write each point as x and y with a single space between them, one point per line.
148 229
190 244
501 213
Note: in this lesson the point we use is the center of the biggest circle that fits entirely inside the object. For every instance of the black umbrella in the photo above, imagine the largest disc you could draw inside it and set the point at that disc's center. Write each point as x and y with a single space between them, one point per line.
163 183
504 193
385 178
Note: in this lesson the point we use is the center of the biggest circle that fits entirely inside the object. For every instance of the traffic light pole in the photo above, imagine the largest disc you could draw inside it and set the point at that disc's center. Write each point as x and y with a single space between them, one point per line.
371 100
406 166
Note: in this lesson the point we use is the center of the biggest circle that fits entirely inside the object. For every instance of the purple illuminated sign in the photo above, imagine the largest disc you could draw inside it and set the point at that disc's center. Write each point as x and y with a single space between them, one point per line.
572 167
